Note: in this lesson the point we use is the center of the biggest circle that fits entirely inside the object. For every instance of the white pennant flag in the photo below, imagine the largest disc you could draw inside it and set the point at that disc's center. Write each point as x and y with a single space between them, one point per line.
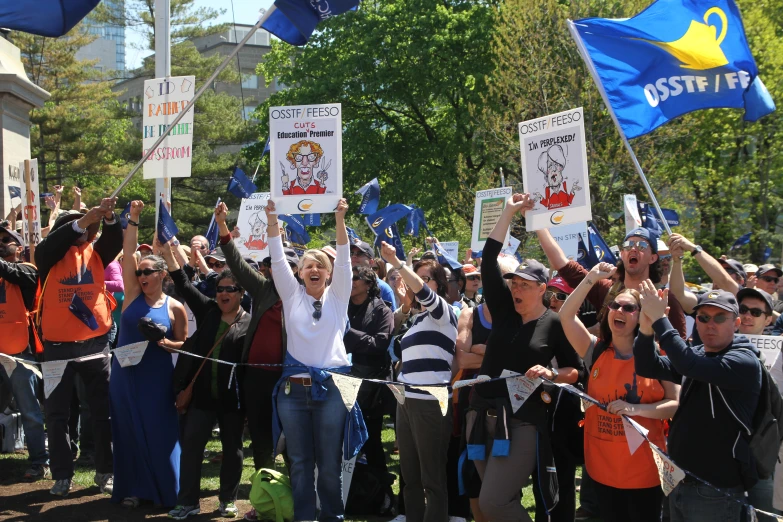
519 388
668 472
9 364
130 354
399 392
348 387
632 435
586 404
470 382
441 393
52 373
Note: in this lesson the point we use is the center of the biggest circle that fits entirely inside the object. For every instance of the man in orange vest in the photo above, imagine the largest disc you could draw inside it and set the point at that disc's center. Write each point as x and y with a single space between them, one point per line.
18 286
75 322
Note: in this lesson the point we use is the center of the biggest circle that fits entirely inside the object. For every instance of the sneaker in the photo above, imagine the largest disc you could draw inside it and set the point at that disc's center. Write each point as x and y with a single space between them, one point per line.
251 515
38 472
105 482
183 512
227 509
61 487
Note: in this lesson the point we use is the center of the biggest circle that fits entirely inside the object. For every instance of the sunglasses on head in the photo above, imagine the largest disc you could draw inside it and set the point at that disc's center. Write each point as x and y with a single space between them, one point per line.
627 308
768 279
560 296
229 289
755 312
719 319
317 305
640 245
148 271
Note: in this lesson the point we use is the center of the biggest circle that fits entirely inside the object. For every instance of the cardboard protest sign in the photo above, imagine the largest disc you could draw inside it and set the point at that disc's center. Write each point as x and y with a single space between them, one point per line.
451 248
567 236
306 158
486 213
770 346
253 241
554 169
31 210
164 99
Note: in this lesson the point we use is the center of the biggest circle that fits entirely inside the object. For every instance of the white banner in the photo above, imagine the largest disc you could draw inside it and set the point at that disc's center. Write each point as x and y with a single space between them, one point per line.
520 388
253 241
487 210
441 393
306 158
164 99
32 205
567 237
632 435
348 388
554 169
668 472
632 218
130 354
52 373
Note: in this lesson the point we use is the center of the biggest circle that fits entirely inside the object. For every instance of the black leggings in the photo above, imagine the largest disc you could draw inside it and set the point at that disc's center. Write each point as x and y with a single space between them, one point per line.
629 505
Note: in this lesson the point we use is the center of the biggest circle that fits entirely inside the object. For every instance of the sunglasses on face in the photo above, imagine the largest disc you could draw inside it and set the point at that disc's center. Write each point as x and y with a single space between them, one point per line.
317 305
148 271
627 308
719 319
560 296
474 278
216 264
640 245
755 312
229 289
665 256
768 279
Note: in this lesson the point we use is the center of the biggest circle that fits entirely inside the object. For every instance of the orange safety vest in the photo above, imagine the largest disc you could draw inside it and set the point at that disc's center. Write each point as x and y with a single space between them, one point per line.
607 457
14 322
80 271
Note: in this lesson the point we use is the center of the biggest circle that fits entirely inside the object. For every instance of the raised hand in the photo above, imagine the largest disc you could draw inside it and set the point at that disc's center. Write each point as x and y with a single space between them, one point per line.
269 210
520 203
676 241
342 208
135 210
603 271
235 232
389 254
77 191
654 301
221 212
107 207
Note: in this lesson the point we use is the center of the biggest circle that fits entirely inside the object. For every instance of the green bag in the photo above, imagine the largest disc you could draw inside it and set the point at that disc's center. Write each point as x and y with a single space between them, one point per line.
270 495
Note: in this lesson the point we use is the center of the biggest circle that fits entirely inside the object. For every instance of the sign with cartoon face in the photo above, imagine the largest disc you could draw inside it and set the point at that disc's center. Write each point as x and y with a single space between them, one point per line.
164 99
306 157
554 169
253 241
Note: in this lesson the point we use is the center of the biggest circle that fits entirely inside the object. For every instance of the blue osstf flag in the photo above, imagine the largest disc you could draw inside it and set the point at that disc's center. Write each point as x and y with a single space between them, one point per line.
650 222
312 220
14 192
386 216
125 216
599 247
415 221
352 235
212 234
296 226
672 216
445 258
80 309
742 241
240 185
294 21
674 57
167 229
585 255
371 197
45 17
391 235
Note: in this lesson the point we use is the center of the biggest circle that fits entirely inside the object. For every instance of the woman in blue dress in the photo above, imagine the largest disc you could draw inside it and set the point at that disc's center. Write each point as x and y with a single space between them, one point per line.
144 419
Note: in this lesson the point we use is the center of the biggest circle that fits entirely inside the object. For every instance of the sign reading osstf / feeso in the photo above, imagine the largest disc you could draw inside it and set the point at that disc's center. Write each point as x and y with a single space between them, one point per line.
306 155
486 213
554 169
164 100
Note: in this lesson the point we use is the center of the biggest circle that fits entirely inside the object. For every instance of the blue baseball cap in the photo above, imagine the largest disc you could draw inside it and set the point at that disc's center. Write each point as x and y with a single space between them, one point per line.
644 233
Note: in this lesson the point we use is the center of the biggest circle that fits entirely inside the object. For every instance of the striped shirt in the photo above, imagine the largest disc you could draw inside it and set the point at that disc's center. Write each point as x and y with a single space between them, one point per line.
428 346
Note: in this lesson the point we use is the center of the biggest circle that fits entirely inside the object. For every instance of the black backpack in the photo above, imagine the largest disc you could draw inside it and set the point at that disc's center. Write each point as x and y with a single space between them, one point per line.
767 428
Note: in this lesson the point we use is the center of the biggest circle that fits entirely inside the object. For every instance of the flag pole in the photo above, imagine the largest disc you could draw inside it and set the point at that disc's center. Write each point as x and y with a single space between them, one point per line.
591 68
192 102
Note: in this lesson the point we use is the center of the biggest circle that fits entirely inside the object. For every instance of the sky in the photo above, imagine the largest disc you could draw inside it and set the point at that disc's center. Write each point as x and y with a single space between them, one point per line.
245 12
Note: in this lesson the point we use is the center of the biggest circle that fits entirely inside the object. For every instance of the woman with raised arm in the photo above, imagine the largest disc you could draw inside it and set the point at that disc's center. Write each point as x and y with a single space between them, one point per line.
627 485
144 420
308 406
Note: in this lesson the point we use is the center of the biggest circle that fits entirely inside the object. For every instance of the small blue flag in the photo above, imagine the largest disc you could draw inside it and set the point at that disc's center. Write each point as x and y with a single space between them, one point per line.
352 235
371 197
213 233
674 57
391 235
266 147
167 229
386 216
45 17
298 242
240 185
82 312
602 251
415 221
445 259
767 253
649 221
125 216
742 240
672 216
294 21
586 256
15 192
296 226
312 220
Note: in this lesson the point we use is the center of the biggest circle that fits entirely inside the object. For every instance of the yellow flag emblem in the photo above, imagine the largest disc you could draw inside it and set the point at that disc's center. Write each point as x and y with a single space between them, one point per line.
699 48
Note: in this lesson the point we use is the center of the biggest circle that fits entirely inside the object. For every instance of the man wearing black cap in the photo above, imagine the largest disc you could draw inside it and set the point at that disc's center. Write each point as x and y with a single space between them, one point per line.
18 284
720 392
75 322
362 255
755 311
767 279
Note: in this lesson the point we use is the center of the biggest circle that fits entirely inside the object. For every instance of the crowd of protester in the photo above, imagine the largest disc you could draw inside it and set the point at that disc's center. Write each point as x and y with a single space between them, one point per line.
634 336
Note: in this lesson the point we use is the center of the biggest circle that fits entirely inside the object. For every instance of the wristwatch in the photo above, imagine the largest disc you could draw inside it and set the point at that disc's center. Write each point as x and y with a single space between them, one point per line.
555 373
696 251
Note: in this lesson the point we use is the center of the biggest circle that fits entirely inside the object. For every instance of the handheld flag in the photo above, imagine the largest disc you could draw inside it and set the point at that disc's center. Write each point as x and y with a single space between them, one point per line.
674 57
415 221
266 147
391 235
599 247
742 240
767 253
672 216
125 216
296 226
212 234
649 221
294 21
586 256
312 220
240 185
386 216
45 17
14 192
444 258
167 229
352 235
371 197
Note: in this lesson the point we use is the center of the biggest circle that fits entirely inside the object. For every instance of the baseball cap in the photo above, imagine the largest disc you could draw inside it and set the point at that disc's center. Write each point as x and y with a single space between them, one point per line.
720 299
469 270
735 266
291 256
758 294
646 235
531 270
66 217
143 245
217 255
365 248
560 283
763 269
750 268
15 235
329 251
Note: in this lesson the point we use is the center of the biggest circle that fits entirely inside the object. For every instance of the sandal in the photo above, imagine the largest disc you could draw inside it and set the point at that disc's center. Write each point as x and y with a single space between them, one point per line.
130 502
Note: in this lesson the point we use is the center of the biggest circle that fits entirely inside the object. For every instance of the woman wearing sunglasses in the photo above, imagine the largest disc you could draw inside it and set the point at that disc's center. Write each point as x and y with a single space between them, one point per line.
307 405
221 329
143 418
627 485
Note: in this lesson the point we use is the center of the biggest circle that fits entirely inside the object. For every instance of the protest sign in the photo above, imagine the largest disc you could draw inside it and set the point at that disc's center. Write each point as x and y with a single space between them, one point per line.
306 158
8 364
486 213
451 248
253 241
770 346
52 374
511 246
164 99
130 354
567 236
632 218
348 388
554 169
31 212
520 388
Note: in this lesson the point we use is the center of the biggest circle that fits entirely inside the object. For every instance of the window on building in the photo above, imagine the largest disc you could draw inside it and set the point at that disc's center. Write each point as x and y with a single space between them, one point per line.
250 81
247 112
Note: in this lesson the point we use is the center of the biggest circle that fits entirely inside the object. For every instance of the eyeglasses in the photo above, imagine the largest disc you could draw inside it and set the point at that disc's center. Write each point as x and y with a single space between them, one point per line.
359 253
665 256
216 264
317 312
755 312
560 296
473 278
719 319
640 245
426 279
627 308
310 157
148 271
229 289
768 279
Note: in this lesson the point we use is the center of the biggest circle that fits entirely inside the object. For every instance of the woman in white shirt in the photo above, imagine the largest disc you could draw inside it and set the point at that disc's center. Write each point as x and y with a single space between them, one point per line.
307 403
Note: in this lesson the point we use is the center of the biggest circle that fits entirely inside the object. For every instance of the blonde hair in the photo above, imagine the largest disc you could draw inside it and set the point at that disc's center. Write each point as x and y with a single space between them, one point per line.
319 256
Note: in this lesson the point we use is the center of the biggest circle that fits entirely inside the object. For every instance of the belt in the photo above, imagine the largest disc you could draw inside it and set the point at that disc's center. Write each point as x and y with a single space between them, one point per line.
304 381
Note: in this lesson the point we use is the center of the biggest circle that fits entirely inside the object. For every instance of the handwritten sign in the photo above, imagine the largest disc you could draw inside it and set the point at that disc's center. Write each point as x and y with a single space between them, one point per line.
487 210
164 100
668 472
130 354
520 388
52 374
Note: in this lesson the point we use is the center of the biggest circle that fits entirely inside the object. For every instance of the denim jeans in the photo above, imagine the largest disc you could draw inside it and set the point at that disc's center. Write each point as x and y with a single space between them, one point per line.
695 502
24 385
314 437
760 496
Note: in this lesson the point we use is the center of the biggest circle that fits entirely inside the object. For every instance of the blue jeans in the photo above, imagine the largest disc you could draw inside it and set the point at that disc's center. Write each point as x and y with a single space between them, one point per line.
314 437
24 384
695 502
760 496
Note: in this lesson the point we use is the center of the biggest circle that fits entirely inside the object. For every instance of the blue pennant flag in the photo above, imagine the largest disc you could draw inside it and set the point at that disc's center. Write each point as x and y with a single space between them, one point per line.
167 229
767 253
213 233
386 216
391 235
602 251
672 216
15 192
125 215
649 221
371 197
240 185
674 57
312 220
296 226
445 259
82 312
45 17
294 21
266 147
742 240
585 255
415 221
352 235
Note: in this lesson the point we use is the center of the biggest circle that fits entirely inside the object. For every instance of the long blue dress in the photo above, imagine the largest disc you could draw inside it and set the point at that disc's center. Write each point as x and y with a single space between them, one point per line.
144 420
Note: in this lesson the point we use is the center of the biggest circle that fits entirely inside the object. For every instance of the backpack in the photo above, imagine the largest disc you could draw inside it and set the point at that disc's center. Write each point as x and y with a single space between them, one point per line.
270 495
767 427
370 492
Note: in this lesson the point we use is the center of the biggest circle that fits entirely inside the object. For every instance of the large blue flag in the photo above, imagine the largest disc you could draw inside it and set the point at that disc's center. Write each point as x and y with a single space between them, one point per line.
602 251
297 226
742 241
294 21
672 216
391 235
240 185
371 197
167 229
674 57
213 233
45 17
650 222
